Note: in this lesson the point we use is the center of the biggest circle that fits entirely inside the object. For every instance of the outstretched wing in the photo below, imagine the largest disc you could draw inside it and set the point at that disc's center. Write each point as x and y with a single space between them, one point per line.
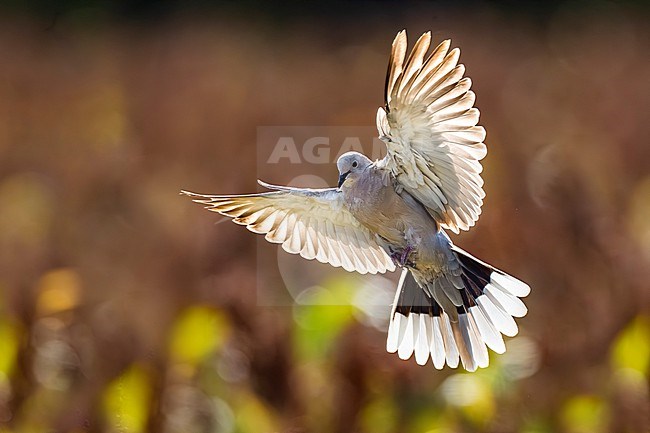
310 222
429 125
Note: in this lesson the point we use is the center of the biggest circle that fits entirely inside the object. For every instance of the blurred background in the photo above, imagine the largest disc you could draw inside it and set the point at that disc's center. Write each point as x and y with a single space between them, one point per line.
124 308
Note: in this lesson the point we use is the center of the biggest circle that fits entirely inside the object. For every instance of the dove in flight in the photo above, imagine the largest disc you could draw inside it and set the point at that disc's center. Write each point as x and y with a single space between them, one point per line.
449 306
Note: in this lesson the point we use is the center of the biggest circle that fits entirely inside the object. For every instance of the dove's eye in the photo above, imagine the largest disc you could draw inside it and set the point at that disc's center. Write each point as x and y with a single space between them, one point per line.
354 164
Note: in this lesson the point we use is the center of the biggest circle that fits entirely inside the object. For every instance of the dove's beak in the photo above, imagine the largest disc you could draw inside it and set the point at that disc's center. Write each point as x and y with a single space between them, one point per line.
342 178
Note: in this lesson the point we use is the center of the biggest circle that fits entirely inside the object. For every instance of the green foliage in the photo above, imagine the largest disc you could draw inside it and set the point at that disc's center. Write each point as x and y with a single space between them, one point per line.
101 125
380 415
472 394
321 313
585 414
253 416
430 419
536 425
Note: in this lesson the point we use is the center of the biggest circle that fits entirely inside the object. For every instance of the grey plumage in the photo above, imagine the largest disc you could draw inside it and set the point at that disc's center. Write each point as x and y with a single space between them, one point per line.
449 305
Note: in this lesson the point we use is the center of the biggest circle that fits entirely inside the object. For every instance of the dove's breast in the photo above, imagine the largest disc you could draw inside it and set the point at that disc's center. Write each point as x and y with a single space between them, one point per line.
398 219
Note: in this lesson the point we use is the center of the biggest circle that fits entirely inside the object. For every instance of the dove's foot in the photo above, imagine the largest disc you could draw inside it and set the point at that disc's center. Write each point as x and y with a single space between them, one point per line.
402 258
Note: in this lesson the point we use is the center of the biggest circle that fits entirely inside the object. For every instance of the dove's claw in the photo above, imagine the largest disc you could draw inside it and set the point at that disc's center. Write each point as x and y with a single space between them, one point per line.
402 258
405 255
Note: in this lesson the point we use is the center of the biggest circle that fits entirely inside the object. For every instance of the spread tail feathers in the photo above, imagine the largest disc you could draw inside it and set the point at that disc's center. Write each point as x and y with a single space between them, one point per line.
427 322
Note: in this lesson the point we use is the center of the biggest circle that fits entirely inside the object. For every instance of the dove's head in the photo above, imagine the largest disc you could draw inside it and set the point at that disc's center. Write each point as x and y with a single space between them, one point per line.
351 165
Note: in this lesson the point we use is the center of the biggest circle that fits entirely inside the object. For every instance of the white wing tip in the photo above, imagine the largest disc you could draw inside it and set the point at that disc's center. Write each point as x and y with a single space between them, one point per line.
264 184
511 284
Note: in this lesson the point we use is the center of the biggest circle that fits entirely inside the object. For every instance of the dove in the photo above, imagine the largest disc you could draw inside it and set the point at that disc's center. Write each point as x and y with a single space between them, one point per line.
449 306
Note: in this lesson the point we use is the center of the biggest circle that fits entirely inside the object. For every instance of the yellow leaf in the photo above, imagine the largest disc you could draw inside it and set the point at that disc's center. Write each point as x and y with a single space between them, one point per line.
126 401
380 415
59 290
585 414
631 349
253 416
197 333
471 392
9 341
